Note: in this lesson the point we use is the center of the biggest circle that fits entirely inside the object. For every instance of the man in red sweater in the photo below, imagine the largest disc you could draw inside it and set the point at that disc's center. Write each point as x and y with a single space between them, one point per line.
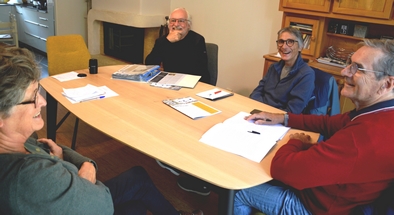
354 165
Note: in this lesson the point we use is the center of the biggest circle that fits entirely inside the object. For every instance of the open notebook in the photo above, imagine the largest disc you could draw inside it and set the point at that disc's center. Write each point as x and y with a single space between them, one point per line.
175 79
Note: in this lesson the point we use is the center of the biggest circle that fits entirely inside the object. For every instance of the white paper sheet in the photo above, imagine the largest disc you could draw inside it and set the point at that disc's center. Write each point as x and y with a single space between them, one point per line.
244 138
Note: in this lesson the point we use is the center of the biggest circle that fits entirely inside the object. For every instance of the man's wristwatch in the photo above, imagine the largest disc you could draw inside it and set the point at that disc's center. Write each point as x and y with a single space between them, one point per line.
286 121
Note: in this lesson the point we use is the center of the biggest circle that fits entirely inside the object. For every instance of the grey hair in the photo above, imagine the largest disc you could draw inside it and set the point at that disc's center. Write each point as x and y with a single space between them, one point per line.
189 18
294 31
385 64
18 69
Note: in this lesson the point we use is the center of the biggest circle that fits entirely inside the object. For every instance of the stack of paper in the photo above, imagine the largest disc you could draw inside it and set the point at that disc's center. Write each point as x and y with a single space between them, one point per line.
86 93
215 94
244 138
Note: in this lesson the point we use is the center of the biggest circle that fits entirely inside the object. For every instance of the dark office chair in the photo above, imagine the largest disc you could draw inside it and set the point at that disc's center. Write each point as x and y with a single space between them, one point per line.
212 53
67 53
325 99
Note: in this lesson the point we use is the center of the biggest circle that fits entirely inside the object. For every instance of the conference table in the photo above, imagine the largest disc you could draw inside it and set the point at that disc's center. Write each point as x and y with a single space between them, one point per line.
139 118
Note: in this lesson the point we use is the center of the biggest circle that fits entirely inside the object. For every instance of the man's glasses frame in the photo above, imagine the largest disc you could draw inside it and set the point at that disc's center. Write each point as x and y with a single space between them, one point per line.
181 21
289 42
354 67
32 101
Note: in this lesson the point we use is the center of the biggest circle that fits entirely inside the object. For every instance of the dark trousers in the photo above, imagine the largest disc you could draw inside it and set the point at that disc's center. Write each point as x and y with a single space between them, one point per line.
133 192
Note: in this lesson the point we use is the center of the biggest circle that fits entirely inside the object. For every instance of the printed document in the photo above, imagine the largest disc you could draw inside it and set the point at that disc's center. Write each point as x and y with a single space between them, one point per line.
175 79
191 107
244 138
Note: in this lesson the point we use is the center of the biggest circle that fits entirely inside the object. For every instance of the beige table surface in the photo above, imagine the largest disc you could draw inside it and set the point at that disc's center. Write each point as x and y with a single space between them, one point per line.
139 119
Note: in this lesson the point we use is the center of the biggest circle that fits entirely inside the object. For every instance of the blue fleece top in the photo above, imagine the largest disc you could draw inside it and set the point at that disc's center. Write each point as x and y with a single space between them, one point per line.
290 94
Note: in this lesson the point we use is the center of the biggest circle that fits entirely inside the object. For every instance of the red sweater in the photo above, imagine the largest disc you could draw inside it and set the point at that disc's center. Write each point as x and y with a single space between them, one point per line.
351 168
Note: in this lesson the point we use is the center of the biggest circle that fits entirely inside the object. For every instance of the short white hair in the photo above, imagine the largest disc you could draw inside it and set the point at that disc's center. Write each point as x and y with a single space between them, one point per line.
189 18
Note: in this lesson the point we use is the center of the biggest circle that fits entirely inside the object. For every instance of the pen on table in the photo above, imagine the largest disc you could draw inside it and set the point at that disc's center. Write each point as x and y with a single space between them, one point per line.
93 98
254 132
267 120
219 91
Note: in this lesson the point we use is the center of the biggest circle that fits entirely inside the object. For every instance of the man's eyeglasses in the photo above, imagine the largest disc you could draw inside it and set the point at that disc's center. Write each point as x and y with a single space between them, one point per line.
32 101
180 21
354 67
288 42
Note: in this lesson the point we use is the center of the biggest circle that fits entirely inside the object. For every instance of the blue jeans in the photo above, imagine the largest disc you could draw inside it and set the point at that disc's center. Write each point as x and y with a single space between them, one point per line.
270 198
133 192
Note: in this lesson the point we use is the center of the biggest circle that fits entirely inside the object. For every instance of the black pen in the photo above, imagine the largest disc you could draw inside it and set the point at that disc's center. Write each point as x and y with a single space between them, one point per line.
254 132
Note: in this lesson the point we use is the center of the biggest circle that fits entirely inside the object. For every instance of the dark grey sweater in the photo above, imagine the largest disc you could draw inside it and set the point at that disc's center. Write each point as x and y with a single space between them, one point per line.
39 183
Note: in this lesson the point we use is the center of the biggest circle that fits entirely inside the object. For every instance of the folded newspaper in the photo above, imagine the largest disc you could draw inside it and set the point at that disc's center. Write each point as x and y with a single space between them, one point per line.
136 72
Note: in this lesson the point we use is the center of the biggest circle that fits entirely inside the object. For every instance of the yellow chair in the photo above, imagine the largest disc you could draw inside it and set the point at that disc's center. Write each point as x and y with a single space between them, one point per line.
67 53
9 31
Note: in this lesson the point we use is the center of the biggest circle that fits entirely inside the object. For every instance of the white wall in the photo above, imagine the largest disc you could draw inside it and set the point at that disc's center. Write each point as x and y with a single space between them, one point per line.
244 30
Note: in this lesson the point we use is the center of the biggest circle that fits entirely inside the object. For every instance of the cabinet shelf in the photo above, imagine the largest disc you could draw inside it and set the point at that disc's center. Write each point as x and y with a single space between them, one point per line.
345 36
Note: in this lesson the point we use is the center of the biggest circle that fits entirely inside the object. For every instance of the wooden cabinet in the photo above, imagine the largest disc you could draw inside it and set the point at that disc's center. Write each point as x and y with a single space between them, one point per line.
342 26
315 5
311 28
369 8
336 25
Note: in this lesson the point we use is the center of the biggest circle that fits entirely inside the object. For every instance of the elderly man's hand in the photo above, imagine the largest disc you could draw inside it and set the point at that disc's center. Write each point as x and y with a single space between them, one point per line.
174 35
265 118
88 172
301 136
53 147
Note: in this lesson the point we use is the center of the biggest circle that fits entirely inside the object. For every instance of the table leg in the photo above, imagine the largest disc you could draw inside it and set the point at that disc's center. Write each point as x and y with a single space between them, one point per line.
226 201
51 117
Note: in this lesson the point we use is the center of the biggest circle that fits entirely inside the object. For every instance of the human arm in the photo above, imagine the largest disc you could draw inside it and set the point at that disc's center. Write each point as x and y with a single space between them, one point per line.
310 165
86 166
51 186
267 118
155 57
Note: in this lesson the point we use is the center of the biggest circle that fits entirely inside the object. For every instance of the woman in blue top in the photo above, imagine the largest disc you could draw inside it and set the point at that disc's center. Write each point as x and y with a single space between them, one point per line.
289 83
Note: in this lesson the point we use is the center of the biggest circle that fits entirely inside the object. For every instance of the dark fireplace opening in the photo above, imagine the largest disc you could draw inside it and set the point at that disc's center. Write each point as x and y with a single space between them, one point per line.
124 42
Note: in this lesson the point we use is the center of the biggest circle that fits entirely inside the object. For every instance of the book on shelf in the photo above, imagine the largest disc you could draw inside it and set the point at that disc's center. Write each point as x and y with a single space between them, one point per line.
215 94
329 61
307 41
191 107
245 138
301 27
136 72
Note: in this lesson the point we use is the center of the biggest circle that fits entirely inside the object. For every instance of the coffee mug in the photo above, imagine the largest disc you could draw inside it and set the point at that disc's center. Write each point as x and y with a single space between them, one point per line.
93 66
